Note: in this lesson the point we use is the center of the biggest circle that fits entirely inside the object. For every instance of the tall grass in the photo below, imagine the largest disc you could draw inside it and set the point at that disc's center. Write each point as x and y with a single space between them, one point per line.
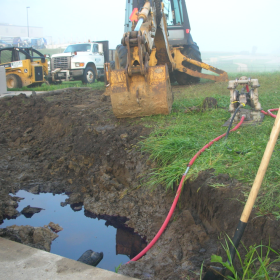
178 136
257 263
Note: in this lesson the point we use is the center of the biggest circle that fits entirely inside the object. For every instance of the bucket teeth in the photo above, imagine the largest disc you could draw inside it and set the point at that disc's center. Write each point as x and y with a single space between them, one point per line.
139 95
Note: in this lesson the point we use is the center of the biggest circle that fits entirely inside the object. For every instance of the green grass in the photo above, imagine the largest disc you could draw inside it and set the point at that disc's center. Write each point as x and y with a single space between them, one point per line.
257 263
176 138
117 267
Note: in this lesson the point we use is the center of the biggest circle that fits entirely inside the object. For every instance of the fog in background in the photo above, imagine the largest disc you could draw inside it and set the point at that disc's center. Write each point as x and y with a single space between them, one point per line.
216 25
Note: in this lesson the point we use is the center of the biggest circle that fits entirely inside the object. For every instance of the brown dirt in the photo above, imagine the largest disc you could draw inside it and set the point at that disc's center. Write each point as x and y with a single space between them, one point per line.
69 141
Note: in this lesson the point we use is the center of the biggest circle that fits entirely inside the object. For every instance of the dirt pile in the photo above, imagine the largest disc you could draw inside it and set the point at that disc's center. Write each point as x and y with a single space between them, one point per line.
40 237
69 141
64 143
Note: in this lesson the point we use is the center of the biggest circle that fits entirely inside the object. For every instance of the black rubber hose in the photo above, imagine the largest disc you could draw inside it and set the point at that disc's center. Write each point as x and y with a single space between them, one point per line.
231 121
230 124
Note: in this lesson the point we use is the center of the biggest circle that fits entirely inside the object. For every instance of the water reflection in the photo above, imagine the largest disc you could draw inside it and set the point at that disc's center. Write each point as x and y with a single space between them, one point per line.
127 242
104 233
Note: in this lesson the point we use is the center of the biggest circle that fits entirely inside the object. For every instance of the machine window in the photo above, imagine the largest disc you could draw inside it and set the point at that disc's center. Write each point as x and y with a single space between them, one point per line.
173 12
22 56
78 48
5 56
95 48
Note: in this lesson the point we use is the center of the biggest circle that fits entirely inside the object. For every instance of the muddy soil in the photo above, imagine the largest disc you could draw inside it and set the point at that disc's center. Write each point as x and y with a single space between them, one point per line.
69 141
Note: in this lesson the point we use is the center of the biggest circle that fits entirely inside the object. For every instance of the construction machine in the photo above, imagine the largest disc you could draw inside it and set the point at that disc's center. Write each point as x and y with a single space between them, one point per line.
156 47
83 61
24 66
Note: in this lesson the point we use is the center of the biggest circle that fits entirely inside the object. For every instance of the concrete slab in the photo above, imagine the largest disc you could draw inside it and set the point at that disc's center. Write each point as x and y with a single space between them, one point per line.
21 262
3 85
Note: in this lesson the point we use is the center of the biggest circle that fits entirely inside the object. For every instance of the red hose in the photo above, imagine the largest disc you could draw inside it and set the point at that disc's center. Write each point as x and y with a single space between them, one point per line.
150 245
212 142
269 112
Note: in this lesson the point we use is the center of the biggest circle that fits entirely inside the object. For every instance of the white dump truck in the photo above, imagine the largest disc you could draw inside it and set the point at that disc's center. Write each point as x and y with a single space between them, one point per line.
83 61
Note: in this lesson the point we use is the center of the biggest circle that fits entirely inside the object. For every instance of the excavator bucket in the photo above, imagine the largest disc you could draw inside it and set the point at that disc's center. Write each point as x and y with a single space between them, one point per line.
139 95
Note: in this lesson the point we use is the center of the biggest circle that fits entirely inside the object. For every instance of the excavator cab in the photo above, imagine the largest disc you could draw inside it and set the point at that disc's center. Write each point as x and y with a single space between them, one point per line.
177 20
157 47
179 35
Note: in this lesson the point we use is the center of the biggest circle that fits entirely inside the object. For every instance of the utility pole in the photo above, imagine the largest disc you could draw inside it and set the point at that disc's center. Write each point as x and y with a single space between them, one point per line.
27 21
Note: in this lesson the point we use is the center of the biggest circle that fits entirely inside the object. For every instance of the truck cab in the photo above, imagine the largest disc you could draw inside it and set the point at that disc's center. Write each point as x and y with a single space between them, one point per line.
83 61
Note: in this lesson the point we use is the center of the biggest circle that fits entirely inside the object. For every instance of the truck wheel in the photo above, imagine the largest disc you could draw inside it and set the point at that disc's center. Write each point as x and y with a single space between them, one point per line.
88 76
120 57
191 51
13 81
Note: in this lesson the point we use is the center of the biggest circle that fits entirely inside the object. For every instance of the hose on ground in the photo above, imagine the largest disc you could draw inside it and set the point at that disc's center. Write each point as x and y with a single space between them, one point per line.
230 124
150 245
269 112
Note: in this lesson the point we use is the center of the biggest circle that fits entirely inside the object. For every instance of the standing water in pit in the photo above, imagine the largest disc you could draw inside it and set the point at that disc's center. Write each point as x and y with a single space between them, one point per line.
79 233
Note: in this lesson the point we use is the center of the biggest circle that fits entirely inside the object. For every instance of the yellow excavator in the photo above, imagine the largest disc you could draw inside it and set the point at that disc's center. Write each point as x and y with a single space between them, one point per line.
156 48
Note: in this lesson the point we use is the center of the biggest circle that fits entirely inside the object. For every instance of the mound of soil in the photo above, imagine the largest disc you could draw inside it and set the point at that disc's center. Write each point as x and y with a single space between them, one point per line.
69 141
39 237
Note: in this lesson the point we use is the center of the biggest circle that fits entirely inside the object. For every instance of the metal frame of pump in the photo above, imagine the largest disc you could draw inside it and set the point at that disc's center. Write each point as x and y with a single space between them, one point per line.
245 96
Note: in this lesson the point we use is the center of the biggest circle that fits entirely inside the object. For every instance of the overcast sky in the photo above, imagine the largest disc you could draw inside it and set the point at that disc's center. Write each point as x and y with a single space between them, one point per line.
216 25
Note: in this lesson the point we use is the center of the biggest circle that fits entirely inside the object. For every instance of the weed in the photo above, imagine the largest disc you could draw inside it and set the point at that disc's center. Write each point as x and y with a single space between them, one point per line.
217 185
118 267
256 264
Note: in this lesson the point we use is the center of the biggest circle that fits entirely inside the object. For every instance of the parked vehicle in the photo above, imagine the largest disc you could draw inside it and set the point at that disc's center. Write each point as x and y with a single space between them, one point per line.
25 42
83 62
4 44
24 66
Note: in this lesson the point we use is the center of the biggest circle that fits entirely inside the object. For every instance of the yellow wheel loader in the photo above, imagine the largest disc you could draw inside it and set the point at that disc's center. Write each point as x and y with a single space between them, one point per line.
156 48
24 66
